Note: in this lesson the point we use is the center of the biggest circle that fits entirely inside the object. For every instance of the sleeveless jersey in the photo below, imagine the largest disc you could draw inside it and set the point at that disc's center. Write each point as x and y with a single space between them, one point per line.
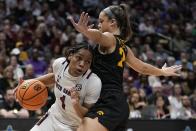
88 85
109 67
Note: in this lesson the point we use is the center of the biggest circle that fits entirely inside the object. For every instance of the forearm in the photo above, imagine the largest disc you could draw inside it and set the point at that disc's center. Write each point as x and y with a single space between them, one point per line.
11 114
7 114
145 68
148 69
80 110
3 112
142 67
47 79
93 34
23 113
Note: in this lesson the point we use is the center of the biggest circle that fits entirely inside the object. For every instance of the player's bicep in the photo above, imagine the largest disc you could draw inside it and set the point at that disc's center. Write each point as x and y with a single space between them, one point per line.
134 62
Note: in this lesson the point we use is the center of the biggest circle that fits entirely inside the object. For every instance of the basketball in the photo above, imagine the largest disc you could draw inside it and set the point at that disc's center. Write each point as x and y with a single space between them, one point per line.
32 94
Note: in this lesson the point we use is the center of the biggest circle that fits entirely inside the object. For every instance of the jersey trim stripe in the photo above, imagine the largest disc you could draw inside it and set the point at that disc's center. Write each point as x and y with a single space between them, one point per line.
66 67
89 75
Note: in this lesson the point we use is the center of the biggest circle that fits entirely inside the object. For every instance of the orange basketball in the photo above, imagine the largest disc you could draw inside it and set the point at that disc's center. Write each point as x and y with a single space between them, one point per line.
32 94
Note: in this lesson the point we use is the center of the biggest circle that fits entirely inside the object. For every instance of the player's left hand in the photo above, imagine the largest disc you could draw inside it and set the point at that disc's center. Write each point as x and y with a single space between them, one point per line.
74 96
172 70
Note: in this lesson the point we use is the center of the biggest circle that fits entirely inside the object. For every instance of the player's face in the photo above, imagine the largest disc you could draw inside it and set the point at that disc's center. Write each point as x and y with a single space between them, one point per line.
80 62
104 22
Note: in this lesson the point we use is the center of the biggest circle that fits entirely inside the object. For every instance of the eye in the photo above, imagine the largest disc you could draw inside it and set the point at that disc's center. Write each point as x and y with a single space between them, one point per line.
78 57
88 62
100 21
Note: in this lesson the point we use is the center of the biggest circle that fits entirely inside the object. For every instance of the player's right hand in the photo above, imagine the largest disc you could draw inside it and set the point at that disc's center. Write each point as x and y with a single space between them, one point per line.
74 97
172 70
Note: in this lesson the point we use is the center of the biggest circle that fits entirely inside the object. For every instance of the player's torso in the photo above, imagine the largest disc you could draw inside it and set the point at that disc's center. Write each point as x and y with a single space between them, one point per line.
109 67
64 110
62 89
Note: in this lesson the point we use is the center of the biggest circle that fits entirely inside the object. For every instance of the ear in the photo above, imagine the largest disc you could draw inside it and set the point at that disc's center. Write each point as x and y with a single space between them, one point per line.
113 22
70 57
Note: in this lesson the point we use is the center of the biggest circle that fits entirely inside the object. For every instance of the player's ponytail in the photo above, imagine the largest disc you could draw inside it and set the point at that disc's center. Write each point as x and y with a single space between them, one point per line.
125 27
119 13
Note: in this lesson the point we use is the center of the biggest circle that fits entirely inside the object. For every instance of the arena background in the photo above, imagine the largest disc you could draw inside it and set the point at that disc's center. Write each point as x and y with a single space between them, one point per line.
35 32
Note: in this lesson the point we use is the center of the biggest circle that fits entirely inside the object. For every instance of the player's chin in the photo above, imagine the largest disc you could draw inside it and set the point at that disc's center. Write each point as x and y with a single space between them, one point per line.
79 72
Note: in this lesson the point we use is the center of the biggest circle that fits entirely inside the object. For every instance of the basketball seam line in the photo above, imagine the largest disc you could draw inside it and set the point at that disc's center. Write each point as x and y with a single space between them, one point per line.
35 95
25 91
33 105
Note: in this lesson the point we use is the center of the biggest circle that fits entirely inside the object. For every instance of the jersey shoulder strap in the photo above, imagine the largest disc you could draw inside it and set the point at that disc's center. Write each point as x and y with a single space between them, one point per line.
63 66
87 74
122 44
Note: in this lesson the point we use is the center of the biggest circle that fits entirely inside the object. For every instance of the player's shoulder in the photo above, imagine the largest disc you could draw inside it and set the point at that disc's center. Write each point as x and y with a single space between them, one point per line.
58 63
90 75
94 78
94 84
60 60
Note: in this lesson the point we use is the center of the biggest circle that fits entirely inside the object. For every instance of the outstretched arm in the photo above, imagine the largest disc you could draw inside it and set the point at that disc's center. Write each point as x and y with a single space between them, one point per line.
148 69
105 39
47 79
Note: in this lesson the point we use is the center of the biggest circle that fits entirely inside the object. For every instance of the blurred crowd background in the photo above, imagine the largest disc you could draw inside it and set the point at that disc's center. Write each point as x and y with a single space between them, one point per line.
35 32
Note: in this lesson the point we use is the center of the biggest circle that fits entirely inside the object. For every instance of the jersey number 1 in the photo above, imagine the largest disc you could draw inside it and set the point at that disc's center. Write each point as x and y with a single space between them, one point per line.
122 53
62 98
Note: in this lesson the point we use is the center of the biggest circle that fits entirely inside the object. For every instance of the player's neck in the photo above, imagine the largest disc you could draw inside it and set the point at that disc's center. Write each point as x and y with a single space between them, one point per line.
70 74
116 31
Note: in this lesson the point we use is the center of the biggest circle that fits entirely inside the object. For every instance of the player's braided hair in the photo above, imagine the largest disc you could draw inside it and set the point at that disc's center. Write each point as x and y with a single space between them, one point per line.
74 49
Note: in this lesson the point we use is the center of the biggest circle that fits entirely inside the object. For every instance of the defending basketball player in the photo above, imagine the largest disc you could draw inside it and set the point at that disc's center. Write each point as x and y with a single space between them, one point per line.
76 90
110 113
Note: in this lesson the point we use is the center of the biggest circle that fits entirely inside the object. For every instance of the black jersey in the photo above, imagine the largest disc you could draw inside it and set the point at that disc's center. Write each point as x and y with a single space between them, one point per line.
109 67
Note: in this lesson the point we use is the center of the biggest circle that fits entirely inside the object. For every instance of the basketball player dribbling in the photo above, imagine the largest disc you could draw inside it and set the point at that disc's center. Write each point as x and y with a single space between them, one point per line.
76 89
110 112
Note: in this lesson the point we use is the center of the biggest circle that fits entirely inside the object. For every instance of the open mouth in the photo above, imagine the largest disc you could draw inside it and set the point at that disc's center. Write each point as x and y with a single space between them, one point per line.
79 70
